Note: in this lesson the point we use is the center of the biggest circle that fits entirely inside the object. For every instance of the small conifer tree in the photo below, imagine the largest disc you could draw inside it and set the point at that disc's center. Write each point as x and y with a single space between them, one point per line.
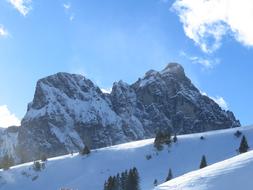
203 162
244 147
170 176
155 182
37 166
175 138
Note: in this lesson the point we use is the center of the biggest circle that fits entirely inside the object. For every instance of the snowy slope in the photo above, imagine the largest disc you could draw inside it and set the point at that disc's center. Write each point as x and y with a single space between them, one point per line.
233 174
82 172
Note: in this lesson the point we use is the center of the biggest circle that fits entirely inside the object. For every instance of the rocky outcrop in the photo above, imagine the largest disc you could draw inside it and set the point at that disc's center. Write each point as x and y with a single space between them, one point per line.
69 111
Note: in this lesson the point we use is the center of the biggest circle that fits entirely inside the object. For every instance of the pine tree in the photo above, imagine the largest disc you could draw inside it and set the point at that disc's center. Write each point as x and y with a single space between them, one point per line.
105 186
37 166
137 179
162 138
158 141
123 179
85 150
170 176
155 182
133 180
109 183
167 137
244 147
175 138
203 162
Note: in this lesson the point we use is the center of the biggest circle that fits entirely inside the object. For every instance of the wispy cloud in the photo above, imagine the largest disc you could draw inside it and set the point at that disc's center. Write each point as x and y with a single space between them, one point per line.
23 6
3 31
67 7
207 21
207 63
7 118
219 100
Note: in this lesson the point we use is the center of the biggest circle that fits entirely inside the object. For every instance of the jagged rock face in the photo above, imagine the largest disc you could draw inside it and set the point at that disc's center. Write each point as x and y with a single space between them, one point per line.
8 142
69 111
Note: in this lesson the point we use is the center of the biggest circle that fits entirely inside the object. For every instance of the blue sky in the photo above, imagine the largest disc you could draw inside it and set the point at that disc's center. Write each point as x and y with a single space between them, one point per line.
112 40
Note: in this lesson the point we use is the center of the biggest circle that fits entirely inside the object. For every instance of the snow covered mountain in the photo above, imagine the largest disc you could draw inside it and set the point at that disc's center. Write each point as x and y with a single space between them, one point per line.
232 174
90 172
69 111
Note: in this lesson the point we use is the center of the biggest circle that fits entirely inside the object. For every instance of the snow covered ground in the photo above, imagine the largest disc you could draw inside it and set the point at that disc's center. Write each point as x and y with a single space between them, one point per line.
233 174
90 172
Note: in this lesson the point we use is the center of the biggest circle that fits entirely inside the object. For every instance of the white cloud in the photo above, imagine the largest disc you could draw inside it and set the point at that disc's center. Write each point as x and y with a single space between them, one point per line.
221 102
23 6
207 63
218 99
7 118
67 7
207 21
3 31
106 90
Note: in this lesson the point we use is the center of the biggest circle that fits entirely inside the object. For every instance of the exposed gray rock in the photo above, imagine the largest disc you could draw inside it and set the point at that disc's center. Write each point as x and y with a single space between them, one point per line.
69 111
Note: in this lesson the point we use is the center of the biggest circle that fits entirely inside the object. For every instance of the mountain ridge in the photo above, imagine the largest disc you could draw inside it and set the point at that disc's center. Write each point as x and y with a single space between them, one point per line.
69 111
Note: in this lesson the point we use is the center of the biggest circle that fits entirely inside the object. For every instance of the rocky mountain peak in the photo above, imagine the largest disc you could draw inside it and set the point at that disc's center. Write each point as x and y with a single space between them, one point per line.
174 69
62 84
69 111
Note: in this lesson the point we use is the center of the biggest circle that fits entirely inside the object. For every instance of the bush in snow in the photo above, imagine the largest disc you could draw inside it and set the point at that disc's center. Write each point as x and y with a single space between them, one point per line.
203 162
238 133
148 157
202 138
244 147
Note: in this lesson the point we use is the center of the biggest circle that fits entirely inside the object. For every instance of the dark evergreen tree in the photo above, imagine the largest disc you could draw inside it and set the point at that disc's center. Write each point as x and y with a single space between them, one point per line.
158 141
170 176
126 181
123 179
37 166
162 138
244 147
203 162
133 180
85 150
167 137
105 186
109 183
155 182
175 138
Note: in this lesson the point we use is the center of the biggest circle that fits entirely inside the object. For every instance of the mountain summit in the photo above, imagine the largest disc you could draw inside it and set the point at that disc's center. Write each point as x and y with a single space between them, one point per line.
69 111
